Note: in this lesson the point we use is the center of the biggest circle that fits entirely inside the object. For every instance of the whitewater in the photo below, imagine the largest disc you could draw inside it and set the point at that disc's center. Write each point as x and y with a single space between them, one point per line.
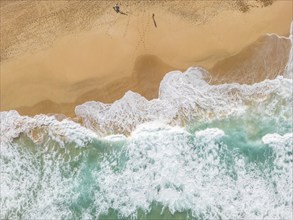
198 151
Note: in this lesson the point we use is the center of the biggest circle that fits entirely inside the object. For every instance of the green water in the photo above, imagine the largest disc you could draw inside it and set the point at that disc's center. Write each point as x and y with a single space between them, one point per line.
165 173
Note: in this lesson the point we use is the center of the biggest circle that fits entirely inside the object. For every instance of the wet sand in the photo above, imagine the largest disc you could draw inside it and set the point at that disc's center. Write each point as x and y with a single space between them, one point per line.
57 54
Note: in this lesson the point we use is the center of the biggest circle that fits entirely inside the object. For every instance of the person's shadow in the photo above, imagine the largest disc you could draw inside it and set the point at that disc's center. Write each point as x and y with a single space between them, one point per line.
118 10
121 12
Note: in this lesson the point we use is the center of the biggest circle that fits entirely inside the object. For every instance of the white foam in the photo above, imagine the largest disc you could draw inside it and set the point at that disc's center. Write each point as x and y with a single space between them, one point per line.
209 134
276 139
187 97
289 67
161 164
32 185
123 115
37 127
115 138
167 166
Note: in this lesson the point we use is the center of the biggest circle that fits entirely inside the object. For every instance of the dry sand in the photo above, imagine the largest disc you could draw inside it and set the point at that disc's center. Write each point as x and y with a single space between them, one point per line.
57 54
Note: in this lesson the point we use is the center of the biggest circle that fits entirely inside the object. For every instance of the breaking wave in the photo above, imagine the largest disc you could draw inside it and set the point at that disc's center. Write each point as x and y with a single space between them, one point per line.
186 98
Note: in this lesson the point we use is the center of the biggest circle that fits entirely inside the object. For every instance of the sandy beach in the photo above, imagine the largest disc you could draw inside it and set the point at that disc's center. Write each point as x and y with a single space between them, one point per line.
57 54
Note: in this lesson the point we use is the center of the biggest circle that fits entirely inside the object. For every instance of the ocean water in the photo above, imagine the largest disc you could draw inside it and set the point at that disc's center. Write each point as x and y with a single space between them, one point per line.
199 151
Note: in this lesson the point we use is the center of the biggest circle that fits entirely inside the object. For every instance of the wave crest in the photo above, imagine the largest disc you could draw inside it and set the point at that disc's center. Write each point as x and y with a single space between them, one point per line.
185 98
37 127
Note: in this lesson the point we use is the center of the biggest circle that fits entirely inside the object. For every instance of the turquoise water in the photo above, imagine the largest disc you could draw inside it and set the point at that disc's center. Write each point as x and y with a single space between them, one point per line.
217 170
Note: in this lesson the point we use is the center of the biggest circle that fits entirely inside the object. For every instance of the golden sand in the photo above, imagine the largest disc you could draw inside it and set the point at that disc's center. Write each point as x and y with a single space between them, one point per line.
57 54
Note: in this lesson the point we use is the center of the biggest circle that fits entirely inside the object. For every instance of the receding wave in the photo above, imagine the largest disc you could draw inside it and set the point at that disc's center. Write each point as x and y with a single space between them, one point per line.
188 98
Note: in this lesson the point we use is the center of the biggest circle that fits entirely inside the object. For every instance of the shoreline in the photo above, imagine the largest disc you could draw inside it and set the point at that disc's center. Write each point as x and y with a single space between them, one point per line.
101 65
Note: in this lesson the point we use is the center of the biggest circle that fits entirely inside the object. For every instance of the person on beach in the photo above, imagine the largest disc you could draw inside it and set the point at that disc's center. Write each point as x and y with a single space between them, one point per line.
117 9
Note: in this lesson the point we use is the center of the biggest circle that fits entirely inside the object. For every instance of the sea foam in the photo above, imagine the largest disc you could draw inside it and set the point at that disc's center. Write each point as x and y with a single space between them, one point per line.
37 127
185 98
289 67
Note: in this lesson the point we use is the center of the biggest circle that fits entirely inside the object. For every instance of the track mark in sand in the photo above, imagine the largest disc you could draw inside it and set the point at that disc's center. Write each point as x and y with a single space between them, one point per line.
126 28
138 42
130 14
112 24
142 28
145 26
